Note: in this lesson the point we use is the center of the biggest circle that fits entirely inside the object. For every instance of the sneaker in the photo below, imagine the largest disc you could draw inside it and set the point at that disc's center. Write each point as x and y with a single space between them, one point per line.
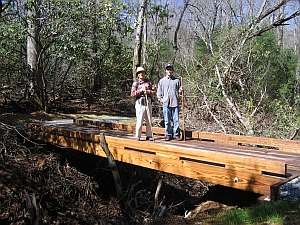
168 138
178 138
149 138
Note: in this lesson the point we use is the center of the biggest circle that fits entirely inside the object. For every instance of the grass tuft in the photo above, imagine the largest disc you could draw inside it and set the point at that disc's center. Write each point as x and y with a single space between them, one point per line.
280 212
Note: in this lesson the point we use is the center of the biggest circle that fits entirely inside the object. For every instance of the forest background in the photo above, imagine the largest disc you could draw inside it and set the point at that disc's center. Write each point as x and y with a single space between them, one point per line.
239 60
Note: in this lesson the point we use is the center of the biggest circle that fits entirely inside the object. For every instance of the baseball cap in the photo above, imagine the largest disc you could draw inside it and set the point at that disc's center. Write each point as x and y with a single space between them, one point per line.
169 65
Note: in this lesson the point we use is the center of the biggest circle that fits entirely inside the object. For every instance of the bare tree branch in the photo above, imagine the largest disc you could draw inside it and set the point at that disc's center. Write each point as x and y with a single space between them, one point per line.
175 44
280 22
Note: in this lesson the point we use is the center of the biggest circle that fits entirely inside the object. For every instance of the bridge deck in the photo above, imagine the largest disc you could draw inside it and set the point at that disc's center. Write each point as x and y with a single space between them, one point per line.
227 160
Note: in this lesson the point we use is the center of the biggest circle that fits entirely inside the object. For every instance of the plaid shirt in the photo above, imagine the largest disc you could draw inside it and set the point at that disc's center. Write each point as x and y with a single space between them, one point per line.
136 88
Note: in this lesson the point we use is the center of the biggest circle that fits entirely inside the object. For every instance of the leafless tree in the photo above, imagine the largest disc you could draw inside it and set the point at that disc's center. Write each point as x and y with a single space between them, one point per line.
237 30
175 40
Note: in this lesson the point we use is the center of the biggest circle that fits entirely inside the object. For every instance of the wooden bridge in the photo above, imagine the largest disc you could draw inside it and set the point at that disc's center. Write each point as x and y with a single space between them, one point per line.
259 165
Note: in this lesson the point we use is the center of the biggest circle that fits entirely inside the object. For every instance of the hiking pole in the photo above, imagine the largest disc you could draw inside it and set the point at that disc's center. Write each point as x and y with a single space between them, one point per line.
182 102
148 114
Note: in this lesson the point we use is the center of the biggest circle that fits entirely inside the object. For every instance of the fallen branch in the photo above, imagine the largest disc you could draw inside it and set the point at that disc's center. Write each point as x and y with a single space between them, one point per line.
33 209
156 197
125 207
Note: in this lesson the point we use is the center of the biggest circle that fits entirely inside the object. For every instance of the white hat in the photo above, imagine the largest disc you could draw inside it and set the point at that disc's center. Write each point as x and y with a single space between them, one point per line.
140 69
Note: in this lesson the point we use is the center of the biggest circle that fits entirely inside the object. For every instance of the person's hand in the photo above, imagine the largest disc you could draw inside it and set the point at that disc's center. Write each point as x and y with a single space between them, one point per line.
181 89
144 89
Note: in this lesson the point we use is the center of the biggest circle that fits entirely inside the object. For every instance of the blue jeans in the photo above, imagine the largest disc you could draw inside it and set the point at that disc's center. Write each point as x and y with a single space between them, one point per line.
171 113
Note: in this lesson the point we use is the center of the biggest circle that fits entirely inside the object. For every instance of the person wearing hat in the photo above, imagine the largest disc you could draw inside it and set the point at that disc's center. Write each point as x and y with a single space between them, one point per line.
168 91
142 90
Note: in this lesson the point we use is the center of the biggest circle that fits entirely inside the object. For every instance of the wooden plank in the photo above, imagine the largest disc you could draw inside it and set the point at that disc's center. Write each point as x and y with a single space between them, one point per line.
104 125
256 165
199 162
118 126
65 131
230 161
245 163
229 139
284 145
211 173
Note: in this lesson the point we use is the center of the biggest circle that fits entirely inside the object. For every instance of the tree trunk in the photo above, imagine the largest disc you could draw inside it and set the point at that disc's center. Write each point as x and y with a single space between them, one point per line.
138 38
175 43
280 28
33 55
62 86
32 51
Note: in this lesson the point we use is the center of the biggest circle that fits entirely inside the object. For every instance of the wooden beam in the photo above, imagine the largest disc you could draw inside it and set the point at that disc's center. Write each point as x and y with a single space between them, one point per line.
229 139
231 176
230 161
257 174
